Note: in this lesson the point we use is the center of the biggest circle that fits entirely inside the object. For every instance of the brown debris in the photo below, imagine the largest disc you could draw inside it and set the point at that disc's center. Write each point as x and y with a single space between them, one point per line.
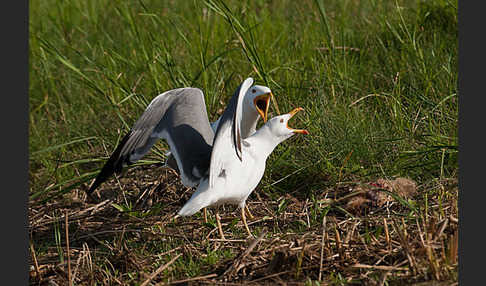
403 187
113 247
356 202
372 194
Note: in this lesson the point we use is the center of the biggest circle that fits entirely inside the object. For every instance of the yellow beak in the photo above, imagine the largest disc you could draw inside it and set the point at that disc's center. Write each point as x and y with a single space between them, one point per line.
292 113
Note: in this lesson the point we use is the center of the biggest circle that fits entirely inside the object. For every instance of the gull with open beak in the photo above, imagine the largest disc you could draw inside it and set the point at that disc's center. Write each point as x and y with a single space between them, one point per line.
255 104
234 175
179 116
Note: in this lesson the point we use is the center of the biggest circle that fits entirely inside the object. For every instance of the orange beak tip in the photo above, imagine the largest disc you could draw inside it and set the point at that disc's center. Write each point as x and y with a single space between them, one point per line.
305 132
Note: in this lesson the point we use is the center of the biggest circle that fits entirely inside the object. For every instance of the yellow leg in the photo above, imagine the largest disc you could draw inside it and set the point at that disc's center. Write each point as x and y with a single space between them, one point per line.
250 216
205 215
243 216
220 229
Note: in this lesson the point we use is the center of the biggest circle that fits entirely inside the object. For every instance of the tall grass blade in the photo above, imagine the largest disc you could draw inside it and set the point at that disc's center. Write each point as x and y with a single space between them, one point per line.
52 148
325 23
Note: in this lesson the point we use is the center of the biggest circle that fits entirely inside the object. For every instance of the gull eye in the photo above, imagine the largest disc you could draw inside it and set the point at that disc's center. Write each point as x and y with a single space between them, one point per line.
253 90
281 120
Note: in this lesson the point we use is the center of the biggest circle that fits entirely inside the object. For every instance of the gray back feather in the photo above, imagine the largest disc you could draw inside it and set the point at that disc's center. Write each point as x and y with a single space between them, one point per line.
178 116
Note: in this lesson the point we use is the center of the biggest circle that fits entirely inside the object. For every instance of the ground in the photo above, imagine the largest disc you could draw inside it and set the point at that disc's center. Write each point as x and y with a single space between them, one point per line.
128 236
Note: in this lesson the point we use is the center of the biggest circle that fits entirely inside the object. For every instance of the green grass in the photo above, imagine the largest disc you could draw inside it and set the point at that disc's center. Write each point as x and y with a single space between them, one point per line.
377 80
389 103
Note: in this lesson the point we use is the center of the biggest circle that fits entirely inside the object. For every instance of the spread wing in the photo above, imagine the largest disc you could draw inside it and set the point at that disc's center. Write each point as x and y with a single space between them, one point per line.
227 140
179 116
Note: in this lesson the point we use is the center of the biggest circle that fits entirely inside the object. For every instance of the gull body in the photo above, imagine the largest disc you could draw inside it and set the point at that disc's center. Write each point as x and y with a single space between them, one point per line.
237 179
225 163
179 116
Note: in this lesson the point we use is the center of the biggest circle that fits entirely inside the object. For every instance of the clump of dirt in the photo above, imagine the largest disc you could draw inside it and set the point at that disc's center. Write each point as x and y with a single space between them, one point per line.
375 194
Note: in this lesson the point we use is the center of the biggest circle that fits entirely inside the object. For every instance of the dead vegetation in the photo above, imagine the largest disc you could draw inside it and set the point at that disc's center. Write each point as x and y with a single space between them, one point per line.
386 232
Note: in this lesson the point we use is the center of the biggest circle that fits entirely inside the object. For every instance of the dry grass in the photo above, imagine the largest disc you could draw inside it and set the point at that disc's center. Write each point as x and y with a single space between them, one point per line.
298 241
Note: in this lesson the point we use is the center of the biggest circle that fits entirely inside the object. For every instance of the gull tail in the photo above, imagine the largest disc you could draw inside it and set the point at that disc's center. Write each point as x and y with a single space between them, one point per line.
189 209
200 199
113 165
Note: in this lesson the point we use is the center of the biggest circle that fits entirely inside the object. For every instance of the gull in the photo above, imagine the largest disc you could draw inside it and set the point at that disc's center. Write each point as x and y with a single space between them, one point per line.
179 116
255 105
234 175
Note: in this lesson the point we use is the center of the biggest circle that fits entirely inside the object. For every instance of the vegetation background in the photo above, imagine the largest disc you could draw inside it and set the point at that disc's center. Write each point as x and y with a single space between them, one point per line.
377 79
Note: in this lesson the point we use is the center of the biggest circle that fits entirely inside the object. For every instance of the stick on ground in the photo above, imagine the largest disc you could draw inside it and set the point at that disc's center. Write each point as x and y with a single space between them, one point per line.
70 283
160 269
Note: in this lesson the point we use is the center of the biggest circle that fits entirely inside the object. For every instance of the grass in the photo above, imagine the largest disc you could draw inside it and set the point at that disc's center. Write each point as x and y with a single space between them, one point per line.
377 80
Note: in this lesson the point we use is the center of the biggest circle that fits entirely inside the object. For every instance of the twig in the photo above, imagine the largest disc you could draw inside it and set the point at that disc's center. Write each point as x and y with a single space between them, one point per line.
169 251
227 240
278 274
453 219
379 267
78 261
160 269
92 235
338 241
34 257
383 277
322 247
405 246
70 282
441 230
250 248
387 234
187 280
78 215
453 247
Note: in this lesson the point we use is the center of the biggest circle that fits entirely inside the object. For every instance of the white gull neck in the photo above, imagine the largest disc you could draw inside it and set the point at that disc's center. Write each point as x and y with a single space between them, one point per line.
263 142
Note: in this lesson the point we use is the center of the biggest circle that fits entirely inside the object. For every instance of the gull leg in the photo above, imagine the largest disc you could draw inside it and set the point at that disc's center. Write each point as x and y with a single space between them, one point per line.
205 212
220 229
243 216
250 216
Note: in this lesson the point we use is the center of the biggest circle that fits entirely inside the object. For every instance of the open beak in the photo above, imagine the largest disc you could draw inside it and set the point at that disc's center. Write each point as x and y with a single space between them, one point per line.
292 113
262 103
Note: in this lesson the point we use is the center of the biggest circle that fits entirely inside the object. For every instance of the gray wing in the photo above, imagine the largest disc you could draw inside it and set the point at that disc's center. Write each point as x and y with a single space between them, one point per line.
179 116
227 141
171 161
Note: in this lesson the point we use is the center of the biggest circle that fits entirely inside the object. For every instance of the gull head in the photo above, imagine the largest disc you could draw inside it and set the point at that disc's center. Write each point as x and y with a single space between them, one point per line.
258 98
279 125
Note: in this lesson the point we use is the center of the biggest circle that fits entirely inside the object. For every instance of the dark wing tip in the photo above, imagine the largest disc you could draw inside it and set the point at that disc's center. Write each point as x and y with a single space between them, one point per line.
113 165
